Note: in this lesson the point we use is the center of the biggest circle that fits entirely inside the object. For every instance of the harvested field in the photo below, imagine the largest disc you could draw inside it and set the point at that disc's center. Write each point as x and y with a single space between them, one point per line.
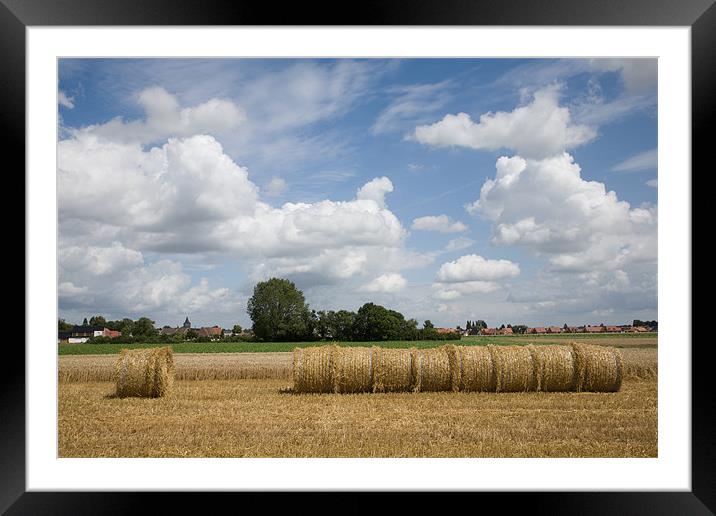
188 366
640 363
257 418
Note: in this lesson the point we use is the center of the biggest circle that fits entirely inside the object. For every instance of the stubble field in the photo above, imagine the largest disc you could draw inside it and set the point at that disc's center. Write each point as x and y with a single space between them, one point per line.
244 408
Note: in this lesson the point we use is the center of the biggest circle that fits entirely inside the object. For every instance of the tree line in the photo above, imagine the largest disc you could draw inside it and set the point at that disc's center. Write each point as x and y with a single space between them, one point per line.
279 312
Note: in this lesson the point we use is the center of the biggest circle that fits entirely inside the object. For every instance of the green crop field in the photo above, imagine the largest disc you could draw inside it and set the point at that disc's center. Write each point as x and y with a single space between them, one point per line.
620 340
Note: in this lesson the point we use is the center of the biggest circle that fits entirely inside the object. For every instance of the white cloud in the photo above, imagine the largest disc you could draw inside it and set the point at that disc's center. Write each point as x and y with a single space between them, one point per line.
472 274
165 118
98 261
652 182
64 100
643 161
536 130
375 190
441 223
391 282
414 167
546 206
275 187
169 189
472 267
188 196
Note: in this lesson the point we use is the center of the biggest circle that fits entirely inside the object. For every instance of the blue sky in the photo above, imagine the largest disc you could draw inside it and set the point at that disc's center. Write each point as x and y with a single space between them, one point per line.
509 190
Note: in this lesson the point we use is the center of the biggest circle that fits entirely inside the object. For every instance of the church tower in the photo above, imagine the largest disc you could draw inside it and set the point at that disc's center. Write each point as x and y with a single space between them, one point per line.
186 324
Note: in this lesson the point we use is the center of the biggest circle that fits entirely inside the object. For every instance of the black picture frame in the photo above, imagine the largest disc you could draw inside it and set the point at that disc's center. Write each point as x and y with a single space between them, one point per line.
17 15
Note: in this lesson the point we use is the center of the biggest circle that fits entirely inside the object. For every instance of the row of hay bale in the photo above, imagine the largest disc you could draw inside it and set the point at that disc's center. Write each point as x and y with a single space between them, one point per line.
575 367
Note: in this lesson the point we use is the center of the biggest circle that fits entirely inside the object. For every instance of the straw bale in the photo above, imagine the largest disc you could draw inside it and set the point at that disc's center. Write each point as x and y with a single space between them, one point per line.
475 369
599 368
431 370
352 369
393 370
313 369
514 368
454 360
554 368
147 372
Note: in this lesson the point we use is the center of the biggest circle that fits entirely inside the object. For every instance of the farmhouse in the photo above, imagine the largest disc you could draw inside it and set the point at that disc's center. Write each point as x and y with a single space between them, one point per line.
81 334
537 329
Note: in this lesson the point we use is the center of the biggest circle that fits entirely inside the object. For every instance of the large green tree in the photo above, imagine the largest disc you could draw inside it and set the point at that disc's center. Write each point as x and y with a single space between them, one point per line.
375 322
279 311
143 327
62 325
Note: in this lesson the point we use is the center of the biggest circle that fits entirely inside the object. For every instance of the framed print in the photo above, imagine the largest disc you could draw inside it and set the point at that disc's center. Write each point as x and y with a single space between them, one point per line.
416 250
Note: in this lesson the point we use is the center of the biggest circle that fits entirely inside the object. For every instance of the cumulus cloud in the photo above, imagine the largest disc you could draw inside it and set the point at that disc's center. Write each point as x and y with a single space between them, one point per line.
99 261
387 283
441 223
473 267
545 205
643 161
536 130
375 190
472 274
164 189
275 187
164 117
188 196
652 182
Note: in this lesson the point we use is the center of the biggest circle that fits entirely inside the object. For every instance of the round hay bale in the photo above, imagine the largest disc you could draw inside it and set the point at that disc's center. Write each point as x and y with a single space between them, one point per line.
554 368
598 368
475 369
514 368
432 370
313 369
352 369
147 373
454 361
392 370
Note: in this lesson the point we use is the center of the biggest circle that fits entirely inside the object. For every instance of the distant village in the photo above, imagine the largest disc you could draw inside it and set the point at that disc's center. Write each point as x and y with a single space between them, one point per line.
79 334
480 328
96 330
